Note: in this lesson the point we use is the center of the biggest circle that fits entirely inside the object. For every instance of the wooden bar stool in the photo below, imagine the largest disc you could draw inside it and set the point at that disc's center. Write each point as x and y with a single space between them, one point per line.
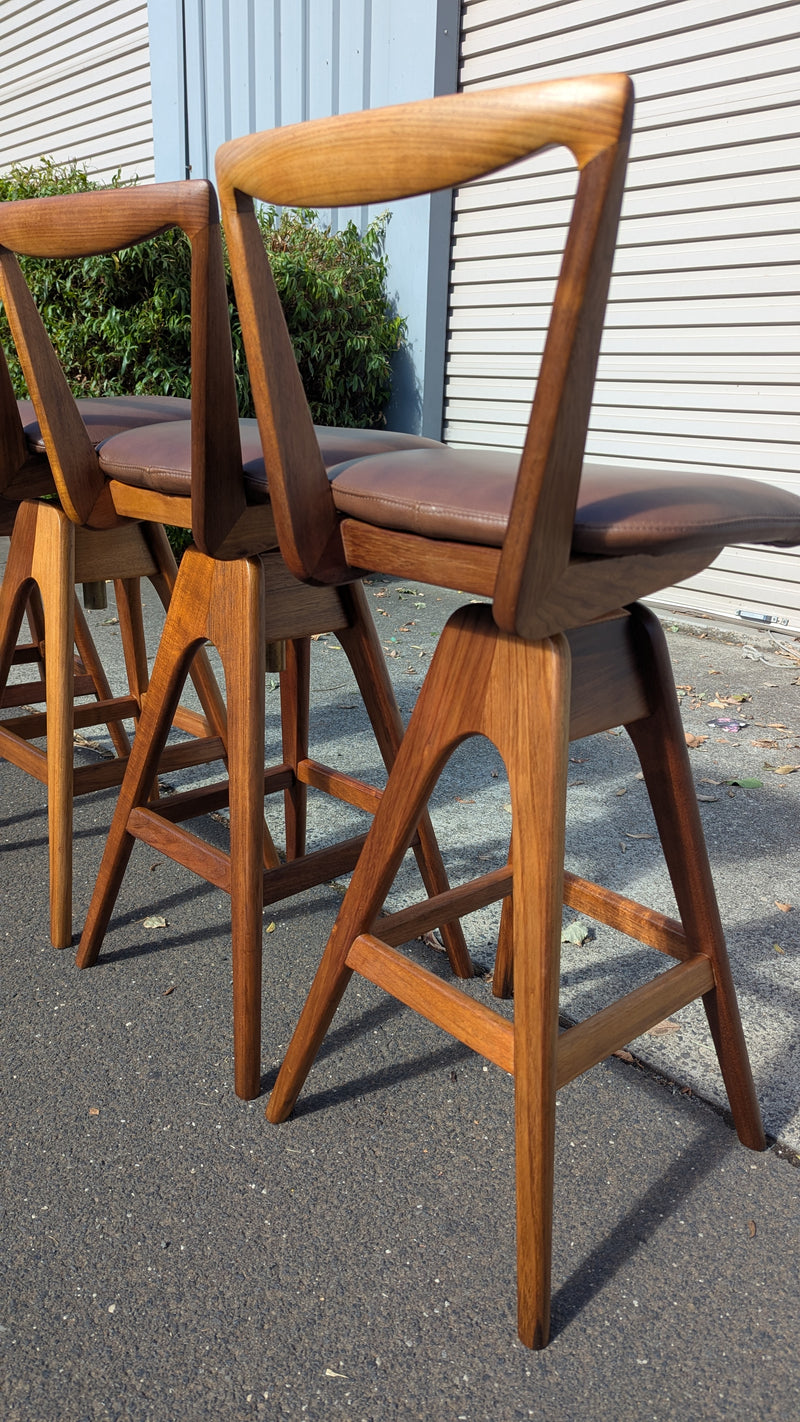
233 589
561 649
46 554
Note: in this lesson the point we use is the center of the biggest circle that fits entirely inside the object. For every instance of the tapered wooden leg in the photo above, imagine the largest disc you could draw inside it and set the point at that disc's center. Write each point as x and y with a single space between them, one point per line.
41 567
661 746
128 596
17 594
202 676
88 655
532 734
365 654
205 683
236 627
517 694
53 568
222 603
184 631
435 727
35 616
503 974
295 696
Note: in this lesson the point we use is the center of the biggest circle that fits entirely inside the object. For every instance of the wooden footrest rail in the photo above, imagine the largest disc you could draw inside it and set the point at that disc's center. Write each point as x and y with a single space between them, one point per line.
214 865
485 1031
16 732
646 925
95 713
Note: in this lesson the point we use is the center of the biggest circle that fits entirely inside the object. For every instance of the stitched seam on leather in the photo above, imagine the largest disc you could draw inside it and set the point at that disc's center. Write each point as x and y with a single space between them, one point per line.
449 510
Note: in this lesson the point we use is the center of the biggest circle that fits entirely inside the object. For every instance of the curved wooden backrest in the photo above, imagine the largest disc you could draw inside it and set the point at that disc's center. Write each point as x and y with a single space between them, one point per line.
84 224
414 148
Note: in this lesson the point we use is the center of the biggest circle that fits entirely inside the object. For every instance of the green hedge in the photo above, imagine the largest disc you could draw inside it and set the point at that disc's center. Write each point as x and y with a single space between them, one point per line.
121 323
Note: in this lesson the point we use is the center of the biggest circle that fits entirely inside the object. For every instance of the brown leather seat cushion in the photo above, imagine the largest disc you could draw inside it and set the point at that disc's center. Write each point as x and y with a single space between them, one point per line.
465 496
158 457
109 415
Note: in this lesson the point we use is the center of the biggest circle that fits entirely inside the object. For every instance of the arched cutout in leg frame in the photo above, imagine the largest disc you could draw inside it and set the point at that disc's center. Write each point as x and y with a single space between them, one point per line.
661 747
518 694
659 742
48 553
239 607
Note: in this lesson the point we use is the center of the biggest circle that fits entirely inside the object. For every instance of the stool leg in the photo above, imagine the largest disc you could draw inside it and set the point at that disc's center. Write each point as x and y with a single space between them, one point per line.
200 671
532 734
221 602
127 592
53 568
517 694
437 724
295 682
184 631
365 654
18 595
236 627
661 746
88 655
503 974
164 581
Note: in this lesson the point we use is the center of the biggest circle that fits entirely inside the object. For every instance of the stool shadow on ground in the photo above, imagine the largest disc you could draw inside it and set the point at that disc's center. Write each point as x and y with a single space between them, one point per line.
640 1224
387 1076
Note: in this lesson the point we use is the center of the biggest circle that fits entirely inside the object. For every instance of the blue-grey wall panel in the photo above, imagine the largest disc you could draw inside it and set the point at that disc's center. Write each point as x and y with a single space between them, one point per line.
168 82
250 64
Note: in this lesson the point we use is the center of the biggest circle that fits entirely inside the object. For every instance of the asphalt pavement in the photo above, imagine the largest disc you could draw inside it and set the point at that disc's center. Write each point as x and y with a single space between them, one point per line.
169 1254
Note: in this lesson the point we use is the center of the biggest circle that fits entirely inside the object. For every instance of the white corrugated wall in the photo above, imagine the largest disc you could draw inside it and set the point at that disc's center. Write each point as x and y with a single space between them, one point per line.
75 83
701 355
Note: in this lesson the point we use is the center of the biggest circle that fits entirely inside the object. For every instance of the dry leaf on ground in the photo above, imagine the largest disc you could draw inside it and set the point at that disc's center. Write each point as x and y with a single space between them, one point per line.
576 932
663 1029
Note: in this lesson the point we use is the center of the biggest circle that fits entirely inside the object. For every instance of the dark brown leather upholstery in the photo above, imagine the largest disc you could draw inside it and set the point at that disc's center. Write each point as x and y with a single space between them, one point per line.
159 456
465 496
109 415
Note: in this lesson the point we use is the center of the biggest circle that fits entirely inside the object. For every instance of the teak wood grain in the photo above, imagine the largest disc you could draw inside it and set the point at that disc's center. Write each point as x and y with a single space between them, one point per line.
506 671
238 606
47 556
85 540
84 223
26 475
230 591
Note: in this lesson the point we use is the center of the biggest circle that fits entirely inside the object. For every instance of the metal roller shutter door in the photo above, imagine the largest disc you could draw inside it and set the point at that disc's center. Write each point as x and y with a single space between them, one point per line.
701 354
76 84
